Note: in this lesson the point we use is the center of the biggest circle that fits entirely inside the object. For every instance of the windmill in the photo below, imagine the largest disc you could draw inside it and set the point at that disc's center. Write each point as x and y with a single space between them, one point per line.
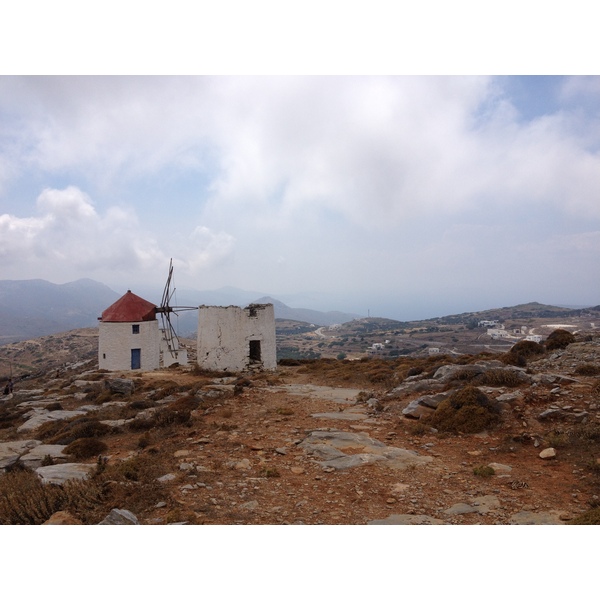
170 339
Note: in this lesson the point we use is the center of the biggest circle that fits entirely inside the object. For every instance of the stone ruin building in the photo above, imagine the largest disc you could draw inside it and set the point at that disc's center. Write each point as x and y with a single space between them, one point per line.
237 339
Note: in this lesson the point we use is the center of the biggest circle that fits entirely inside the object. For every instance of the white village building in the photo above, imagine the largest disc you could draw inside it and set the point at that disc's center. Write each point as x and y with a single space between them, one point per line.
237 339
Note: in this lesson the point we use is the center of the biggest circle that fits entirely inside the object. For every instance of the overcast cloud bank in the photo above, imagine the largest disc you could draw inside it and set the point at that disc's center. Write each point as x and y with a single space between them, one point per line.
409 196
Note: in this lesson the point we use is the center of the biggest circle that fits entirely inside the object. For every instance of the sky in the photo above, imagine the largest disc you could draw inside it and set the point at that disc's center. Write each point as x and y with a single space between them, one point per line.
395 196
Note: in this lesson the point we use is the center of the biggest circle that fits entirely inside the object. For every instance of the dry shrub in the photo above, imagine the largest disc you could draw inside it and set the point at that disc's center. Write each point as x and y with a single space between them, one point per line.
500 378
142 404
464 375
167 388
559 339
98 394
289 362
178 412
10 416
144 441
141 424
468 410
521 352
591 517
25 500
417 428
527 348
484 471
86 448
588 370
66 432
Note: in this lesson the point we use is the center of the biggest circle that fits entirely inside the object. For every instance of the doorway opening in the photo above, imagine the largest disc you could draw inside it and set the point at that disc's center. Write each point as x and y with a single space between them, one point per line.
136 358
255 352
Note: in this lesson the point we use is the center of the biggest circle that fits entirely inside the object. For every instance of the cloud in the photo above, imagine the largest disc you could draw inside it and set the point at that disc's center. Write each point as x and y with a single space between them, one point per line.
287 183
208 249
376 150
70 238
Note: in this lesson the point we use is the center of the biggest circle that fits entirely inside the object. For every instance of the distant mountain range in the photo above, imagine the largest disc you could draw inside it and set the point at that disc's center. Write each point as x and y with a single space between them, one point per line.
35 307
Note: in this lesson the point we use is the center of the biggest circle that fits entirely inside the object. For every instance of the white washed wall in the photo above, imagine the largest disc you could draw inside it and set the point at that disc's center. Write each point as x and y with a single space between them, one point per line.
225 332
116 340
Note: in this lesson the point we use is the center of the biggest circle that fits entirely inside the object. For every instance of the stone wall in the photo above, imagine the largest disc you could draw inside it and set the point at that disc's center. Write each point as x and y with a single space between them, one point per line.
237 339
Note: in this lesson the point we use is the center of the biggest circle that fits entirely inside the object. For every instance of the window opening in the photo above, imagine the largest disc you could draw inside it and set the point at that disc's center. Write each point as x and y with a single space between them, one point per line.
135 329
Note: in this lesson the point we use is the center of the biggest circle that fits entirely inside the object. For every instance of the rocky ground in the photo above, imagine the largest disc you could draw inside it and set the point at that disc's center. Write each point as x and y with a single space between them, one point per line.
325 442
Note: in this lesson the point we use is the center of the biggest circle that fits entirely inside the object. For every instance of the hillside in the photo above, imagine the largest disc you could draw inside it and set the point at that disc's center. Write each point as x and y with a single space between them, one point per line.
33 308
321 442
307 315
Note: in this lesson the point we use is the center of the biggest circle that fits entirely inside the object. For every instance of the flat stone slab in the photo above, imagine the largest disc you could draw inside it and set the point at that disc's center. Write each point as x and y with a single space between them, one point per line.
532 518
481 505
407 520
59 474
39 417
11 452
35 456
460 509
339 395
342 416
500 468
329 446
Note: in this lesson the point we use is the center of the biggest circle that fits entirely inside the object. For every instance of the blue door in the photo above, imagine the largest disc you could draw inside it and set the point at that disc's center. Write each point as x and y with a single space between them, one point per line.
136 358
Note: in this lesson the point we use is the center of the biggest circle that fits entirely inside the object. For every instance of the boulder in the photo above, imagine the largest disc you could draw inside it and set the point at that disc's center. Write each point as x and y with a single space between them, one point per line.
120 516
548 453
550 414
448 372
120 386
423 385
416 410
62 517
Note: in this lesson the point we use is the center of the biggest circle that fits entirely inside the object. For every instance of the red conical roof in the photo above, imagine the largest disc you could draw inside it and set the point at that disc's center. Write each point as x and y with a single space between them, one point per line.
129 308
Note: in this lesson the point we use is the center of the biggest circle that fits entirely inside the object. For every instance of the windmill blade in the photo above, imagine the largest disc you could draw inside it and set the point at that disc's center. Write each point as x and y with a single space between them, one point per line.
169 334
167 294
